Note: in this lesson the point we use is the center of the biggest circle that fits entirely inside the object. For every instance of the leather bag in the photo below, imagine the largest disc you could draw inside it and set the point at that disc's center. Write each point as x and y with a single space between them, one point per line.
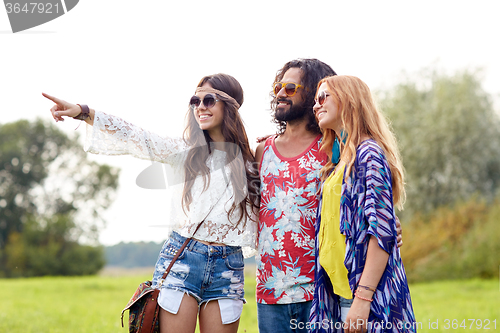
143 306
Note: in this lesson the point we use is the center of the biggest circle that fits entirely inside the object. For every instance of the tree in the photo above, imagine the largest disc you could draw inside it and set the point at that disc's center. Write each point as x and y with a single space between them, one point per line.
51 201
449 138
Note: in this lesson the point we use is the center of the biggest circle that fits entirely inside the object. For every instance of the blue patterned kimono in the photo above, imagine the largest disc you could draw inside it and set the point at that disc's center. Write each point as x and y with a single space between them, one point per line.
366 209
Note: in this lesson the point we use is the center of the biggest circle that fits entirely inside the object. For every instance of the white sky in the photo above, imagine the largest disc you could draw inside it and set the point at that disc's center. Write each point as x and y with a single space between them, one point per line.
142 60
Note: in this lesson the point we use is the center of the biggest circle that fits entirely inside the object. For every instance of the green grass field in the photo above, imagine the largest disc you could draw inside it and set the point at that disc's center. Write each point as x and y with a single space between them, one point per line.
93 304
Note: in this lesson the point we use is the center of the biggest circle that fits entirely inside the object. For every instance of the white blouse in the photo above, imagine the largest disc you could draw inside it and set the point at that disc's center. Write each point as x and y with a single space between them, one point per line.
112 135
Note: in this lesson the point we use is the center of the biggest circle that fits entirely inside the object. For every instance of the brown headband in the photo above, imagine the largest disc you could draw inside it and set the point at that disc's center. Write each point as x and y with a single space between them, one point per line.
220 93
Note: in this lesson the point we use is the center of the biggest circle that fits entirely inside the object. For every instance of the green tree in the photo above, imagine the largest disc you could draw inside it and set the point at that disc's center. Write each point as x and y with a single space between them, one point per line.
51 202
449 138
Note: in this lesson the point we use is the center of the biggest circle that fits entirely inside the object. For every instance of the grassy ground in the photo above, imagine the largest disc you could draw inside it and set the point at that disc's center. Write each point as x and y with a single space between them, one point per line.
93 304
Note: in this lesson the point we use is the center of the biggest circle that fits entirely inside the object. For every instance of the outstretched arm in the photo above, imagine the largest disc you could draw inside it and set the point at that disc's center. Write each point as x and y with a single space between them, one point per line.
64 109
112 135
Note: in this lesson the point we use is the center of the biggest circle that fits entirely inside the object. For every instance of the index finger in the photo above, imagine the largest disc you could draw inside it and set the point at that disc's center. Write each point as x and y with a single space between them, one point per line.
52 98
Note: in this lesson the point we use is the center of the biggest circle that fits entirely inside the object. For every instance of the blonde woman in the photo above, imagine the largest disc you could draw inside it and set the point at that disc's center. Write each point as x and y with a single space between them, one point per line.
360 281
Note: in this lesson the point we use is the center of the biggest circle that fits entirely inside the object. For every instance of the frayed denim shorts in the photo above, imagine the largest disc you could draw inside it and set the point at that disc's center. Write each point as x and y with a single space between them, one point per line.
204 272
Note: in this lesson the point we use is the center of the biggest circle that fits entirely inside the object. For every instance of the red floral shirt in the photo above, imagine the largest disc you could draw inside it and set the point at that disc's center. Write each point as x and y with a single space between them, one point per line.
285 259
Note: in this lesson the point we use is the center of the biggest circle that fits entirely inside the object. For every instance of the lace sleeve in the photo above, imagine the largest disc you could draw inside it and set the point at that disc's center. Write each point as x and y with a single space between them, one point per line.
111 135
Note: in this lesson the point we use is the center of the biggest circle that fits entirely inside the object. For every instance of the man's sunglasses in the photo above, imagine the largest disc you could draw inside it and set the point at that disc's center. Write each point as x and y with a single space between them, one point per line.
321 97
209 101
290 88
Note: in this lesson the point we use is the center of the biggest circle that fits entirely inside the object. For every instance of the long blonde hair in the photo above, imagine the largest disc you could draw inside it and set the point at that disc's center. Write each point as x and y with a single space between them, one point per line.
360 116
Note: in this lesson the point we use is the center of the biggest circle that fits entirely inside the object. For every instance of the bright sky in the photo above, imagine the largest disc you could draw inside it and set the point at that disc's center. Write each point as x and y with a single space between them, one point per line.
142 60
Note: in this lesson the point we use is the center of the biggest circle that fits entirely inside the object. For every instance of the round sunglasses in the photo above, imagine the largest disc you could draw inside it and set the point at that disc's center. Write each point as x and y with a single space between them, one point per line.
208 101
290 88
321 97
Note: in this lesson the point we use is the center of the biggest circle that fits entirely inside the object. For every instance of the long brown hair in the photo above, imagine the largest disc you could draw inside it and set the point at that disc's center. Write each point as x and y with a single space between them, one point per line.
360 116
243 173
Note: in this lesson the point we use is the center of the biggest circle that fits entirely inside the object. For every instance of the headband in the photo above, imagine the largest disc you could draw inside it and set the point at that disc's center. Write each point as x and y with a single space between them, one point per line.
220 93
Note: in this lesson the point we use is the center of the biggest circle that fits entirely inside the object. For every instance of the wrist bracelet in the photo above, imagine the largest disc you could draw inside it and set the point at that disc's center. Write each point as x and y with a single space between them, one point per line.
367 288
363 298
84 114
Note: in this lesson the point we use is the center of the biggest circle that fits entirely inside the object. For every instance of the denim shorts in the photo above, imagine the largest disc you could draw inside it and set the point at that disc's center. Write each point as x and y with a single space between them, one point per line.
204 272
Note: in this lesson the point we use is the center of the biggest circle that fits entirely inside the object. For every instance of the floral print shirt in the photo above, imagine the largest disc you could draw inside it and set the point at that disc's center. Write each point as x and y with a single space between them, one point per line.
285 259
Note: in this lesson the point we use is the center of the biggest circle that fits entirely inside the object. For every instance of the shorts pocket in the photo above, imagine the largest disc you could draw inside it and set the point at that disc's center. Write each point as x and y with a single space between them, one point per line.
170 248
235 261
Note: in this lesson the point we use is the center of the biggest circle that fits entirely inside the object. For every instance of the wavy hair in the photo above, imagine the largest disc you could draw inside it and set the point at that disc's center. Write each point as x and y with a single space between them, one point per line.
243 173
360 116
313 70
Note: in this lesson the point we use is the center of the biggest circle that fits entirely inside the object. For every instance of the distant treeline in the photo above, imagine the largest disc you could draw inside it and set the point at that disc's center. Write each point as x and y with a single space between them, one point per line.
139 254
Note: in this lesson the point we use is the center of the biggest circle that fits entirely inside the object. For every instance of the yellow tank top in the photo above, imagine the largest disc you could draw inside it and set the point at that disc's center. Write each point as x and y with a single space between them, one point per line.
331 241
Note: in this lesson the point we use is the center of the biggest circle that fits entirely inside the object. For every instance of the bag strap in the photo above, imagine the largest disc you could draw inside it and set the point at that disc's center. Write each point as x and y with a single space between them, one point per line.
164 276
178 254
187 241
151 306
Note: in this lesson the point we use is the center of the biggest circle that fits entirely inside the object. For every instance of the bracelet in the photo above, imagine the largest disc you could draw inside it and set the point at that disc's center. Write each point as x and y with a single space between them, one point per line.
367 288
84 114
364 299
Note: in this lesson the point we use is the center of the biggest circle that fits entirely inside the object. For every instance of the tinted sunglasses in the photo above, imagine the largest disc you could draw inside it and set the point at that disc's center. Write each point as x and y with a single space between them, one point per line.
321 97
208 101
290 88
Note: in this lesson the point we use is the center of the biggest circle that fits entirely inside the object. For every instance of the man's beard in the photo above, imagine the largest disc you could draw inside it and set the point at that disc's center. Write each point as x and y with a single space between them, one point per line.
291 112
